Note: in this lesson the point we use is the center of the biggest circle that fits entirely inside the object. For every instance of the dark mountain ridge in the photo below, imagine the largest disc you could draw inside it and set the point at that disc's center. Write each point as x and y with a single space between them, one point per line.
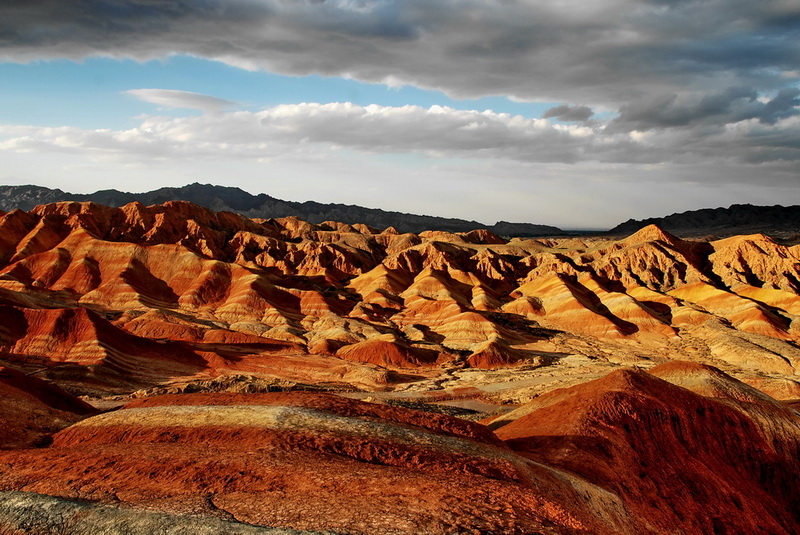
231 199
778 221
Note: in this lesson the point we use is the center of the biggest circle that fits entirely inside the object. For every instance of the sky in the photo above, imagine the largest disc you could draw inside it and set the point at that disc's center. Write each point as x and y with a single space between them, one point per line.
563 112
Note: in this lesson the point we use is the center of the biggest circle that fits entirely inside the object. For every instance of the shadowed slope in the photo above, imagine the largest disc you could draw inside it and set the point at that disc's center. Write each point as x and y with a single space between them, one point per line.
32 409
676 458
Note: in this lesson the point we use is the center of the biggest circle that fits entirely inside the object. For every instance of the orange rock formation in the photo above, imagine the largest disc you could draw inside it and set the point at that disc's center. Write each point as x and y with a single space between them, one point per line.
112 299
107 302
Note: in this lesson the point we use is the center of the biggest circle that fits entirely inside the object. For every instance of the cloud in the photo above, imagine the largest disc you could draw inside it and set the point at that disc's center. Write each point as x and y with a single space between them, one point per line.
476 165
714 108
436 133
569 113
710 83
172 98
603 53
679 75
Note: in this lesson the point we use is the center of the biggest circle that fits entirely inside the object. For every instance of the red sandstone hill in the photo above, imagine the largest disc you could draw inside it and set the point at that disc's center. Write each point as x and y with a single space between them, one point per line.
630 453
106 300
723 467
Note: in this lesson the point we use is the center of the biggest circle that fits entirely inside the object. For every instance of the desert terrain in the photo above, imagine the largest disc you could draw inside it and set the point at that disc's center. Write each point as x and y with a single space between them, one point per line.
173 368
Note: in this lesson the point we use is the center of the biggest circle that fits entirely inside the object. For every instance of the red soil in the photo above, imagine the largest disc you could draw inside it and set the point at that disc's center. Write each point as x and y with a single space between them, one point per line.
387 354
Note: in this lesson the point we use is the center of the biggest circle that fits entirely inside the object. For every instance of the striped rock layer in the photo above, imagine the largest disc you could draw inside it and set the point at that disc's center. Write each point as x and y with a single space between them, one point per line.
105 299
683 449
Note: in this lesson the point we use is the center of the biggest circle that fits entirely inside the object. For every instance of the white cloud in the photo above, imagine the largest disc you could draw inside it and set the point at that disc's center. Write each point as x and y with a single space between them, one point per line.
172 98
701 94
440 131
436 132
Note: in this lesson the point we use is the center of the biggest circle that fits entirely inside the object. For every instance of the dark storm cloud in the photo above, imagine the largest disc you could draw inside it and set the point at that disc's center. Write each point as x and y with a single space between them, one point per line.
608 49
724 107
569 113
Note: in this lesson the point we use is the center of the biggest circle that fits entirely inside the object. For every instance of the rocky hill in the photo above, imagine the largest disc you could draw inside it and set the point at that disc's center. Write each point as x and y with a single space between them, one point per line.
682 449
221 198
778 221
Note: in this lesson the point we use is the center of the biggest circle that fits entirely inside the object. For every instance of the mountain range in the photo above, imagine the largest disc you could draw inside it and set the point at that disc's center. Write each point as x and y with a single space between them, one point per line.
229 199
778 221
